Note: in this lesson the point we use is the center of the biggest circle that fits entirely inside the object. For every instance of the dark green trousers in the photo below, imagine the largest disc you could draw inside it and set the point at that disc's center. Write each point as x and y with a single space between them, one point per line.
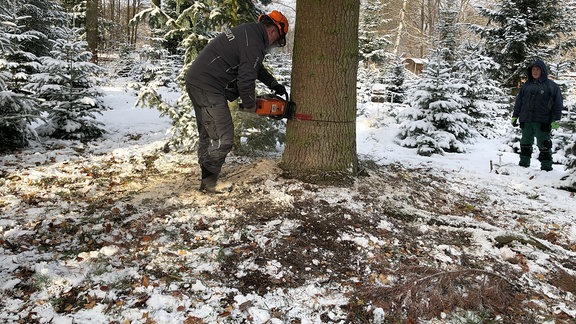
541 132
215 128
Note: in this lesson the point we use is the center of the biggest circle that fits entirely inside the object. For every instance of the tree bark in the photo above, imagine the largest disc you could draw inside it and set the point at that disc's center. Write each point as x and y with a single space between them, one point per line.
92 28
324 72
113 12
400 28
128 17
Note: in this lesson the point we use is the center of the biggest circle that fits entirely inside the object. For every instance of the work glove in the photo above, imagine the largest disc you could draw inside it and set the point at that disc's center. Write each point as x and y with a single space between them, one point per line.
514 121
554 125
243 108
279 90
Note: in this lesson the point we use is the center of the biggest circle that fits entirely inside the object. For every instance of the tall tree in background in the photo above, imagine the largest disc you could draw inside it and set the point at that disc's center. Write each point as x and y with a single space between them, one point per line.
520 31
106 23
400 28
324 71
92 10
424 24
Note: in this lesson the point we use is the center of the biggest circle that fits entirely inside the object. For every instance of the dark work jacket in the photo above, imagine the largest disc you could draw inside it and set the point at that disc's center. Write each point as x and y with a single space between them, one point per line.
232 62
538 100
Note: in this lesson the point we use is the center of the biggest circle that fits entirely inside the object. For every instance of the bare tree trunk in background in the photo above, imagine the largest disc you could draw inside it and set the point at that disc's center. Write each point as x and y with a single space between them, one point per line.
400 27
113 10
430 18
324 71
422 27
92 28
424 23
135 5
128 17
132 29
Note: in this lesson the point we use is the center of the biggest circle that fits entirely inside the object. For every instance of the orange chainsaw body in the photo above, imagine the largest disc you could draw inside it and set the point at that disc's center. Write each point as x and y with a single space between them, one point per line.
275 107
271 106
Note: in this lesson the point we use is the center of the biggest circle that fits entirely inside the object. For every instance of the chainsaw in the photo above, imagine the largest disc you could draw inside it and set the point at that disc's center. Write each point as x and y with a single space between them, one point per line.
276 107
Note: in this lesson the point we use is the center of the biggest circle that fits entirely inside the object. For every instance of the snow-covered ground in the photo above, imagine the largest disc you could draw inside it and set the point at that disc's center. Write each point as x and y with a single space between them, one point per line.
115 231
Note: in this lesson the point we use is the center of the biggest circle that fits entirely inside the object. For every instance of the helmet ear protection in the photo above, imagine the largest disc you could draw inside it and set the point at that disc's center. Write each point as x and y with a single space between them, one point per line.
280 21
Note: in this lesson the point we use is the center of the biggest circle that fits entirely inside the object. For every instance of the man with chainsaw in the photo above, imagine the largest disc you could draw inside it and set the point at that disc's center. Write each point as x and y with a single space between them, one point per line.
227 68
538 107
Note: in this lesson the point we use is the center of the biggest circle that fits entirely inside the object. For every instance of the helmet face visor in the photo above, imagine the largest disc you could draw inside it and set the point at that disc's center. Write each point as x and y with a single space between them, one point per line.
282 36
281 42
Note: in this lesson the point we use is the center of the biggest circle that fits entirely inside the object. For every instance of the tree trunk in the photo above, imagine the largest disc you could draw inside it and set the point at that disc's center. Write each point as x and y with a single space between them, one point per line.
324 72
92 28
400 28
422 27
113 11
128 17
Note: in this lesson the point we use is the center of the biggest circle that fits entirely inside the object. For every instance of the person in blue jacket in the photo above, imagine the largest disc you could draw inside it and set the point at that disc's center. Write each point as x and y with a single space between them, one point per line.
227 68
538 108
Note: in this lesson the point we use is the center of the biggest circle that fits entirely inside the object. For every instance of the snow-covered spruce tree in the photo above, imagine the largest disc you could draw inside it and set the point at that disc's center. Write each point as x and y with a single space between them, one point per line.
563 137
17 111
522 30
434 123
68 84
394 81
189 26
568 182
40 18
448 30
372 40
372 43
484 99
18 108
156 67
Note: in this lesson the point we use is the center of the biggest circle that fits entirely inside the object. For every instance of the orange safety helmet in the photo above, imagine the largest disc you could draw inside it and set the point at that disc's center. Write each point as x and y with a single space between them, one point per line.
280 22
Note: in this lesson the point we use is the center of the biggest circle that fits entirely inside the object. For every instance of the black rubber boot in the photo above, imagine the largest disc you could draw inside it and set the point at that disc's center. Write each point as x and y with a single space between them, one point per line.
208 184
209 180
545 156
205 172
525 155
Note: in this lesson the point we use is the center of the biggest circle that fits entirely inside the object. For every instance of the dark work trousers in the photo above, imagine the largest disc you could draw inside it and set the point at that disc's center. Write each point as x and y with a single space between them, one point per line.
542 134
215 127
